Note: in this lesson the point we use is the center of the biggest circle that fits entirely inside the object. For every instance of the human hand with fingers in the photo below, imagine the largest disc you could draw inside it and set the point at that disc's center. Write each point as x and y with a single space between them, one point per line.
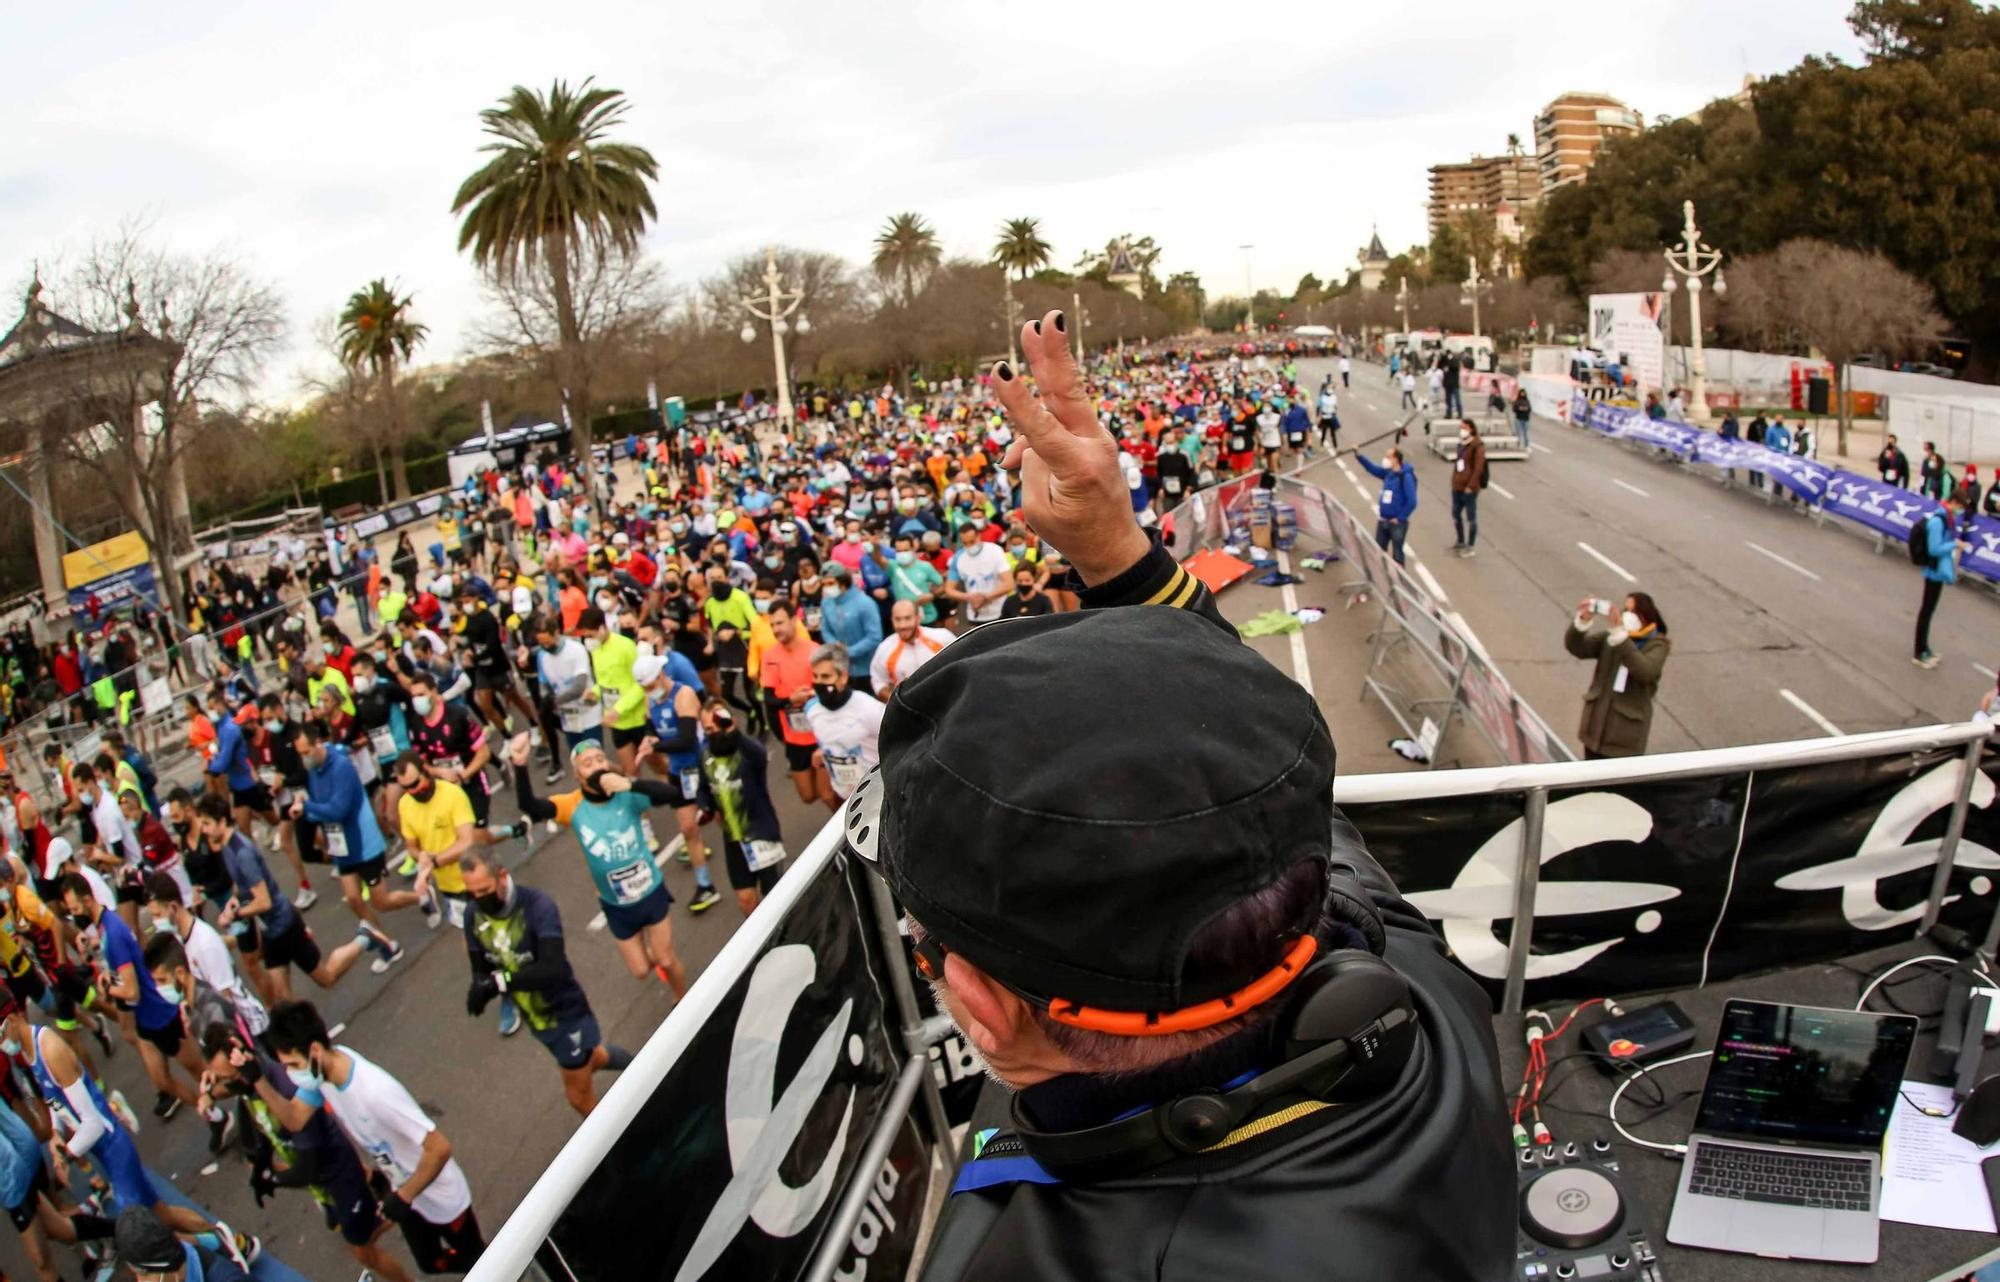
1072 489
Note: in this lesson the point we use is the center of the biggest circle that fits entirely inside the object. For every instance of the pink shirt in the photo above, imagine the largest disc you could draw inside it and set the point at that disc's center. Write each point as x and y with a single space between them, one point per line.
848 554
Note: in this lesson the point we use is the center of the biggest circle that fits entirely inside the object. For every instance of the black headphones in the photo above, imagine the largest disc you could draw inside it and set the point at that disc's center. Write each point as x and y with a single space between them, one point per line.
1346 1032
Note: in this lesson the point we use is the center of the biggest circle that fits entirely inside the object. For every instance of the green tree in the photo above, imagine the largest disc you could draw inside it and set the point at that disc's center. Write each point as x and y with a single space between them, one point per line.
556 181
1020 248
375 332
906 250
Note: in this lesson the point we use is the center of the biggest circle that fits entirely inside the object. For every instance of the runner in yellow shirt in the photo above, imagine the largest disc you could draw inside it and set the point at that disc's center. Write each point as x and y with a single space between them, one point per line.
611 658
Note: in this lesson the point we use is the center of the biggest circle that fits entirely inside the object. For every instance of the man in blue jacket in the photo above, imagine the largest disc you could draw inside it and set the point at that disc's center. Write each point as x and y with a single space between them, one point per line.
1397 503
1941 548
337 803
850 617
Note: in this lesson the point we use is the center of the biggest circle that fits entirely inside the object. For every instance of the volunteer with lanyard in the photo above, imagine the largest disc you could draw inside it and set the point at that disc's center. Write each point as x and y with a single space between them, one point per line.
607 813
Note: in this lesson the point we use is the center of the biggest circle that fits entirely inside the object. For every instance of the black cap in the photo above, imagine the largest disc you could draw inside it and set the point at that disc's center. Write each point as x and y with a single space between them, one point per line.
1067 800
145 1244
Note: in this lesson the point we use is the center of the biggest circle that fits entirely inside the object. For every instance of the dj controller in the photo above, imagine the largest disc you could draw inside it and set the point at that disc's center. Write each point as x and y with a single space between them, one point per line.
1577 1221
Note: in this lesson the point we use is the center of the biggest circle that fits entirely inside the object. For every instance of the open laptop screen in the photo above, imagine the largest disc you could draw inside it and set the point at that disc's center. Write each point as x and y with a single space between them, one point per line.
1804 1074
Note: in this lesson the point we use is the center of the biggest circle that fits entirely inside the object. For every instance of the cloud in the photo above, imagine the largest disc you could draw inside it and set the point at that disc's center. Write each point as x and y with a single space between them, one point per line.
324 145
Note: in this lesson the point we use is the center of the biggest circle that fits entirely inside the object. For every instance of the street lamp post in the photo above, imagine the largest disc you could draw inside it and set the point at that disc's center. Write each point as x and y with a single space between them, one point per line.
1078 318
1249 293
1403 303
1693 260
777 303
1473 284
1010 315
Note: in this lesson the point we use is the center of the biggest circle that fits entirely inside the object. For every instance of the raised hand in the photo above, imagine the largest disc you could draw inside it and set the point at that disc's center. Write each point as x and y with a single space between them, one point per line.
1071 487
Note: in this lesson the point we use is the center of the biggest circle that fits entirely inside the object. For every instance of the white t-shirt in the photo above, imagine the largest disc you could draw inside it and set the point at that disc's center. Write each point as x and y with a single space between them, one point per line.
560 668
1328 403
983 568
895 659
388 1127
847 736
114 831
208 958
1267 430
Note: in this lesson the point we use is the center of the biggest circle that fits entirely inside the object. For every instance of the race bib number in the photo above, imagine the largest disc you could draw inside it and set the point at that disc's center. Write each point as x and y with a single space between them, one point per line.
633 882
1461 464
454 910
691 784
608 695
575 717
383 741
764 854
336 842
1618 682
1387 497
1173 484
365 765
846 773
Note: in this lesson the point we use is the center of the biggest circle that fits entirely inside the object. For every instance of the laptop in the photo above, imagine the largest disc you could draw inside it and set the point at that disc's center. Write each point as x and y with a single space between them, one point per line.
1785 1158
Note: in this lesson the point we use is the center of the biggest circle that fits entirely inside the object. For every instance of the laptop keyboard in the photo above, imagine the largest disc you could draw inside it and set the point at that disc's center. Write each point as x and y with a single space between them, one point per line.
1790 1179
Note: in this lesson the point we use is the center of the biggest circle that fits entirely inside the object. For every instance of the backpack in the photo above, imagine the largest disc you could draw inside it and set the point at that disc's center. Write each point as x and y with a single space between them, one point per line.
1919 542
1485 472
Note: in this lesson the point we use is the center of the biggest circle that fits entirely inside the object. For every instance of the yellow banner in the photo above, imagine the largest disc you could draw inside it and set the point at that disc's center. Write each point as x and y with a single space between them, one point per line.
120 552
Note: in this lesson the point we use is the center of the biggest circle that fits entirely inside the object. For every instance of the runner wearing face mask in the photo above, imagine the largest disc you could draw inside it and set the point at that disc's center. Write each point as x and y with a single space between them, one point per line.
730 616
845 720
514 939
733 767
624 703
607 812
563 666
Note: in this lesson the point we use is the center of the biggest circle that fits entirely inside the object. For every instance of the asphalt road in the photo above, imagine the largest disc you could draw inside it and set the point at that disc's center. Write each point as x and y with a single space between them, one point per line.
1782 628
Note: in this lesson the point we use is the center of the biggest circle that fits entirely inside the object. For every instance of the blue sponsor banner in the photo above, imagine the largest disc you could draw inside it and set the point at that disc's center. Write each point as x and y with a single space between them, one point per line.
1870 503
120 591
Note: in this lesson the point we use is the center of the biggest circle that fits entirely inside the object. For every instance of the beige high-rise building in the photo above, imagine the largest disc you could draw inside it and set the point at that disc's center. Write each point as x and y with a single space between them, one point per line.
1571 130
1485 184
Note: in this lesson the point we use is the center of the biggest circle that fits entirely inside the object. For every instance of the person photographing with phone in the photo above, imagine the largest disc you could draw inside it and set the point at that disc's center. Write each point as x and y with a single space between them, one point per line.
1630 652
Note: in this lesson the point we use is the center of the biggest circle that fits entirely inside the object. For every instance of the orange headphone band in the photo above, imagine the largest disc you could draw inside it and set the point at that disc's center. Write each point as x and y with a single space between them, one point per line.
1189 1018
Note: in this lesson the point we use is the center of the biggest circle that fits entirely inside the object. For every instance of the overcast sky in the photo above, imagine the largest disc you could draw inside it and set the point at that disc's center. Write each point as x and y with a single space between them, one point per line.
322 144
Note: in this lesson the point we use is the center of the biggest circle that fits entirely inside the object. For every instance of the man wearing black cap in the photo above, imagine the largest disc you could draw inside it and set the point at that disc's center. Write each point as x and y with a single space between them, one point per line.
151 1251
1235 1051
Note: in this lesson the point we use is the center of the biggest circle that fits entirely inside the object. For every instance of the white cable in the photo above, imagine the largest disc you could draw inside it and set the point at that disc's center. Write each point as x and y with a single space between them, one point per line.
1876 982
1612 1111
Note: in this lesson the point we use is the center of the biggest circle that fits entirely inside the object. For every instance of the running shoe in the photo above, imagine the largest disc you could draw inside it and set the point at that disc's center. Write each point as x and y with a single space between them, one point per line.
123 1108
705 898
433 912
510 1019
408 868
305 899
104 1042
389 958
165 1105
682 857
552 776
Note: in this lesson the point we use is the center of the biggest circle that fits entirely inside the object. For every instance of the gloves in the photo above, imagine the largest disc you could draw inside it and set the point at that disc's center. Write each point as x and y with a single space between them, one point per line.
395 1208
251 1071
263 1183
484 989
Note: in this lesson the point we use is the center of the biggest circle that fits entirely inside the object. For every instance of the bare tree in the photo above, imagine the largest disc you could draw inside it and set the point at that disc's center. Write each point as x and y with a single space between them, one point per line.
1848 303
618 299
217 323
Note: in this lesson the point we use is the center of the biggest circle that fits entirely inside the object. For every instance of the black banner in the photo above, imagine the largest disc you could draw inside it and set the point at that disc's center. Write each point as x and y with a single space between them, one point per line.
733 1167
1668 884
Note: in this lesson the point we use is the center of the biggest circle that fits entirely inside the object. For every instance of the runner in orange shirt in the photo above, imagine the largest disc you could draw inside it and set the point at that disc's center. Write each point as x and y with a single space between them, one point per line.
785 670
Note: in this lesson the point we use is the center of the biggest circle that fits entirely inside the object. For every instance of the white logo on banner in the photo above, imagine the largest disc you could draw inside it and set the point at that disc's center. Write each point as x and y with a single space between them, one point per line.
1888 851
762 1130
1483 893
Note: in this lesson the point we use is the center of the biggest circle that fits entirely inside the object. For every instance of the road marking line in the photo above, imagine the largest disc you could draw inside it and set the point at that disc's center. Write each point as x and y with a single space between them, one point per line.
1301 669
1424 573
1606 561
1539 446
1500 488
1629 486
1989 673
1790 565
1812 713
1457 620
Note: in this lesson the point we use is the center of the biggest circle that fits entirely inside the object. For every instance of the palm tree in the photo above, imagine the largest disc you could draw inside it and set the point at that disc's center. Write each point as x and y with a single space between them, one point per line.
1021 247
557 182
376 331
1513 144
906 249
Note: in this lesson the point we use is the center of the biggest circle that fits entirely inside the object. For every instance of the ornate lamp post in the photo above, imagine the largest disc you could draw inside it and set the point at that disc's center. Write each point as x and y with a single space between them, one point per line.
777 303
1693 259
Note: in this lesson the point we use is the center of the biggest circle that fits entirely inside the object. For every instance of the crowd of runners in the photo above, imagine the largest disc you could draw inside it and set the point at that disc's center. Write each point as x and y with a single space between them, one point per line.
648 631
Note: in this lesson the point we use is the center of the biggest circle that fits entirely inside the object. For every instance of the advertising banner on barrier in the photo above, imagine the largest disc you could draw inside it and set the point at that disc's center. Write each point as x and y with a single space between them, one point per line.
733 1167
1627 327
1669 883
1872 504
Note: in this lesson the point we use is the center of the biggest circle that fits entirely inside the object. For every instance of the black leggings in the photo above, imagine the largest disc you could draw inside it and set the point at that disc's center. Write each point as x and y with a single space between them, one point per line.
1932 590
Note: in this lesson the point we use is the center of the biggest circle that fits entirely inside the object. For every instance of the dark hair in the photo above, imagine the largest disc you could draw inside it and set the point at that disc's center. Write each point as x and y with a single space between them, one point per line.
162 889
181 795
1642 605
315 729
74 883
165 950
782 605
217 1038
590 620
82 773
423 677
213 806
296 1027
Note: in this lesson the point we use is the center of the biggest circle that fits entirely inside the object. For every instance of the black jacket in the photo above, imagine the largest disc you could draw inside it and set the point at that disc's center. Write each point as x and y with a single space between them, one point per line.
1417 1183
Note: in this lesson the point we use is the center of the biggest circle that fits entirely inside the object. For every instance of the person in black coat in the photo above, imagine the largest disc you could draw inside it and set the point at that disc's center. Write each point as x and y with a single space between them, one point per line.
1893 464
